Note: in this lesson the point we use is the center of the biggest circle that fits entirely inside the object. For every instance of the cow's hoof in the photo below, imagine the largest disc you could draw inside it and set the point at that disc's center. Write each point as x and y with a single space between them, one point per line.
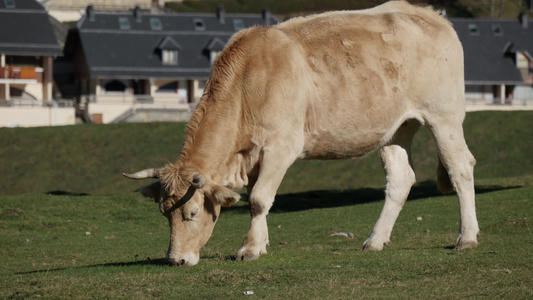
248 254
370 245
463 243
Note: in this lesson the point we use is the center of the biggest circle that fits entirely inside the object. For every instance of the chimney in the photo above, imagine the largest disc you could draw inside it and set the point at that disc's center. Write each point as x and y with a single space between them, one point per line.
266 16
523 20
221 15
155 6
137 13
90 12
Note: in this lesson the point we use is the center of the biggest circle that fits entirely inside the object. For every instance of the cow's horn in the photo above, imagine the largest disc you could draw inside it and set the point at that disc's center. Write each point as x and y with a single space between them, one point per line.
148 173
198 181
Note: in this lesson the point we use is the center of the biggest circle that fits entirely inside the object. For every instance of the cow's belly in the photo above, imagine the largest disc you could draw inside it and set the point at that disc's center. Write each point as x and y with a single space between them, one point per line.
340 146
349 140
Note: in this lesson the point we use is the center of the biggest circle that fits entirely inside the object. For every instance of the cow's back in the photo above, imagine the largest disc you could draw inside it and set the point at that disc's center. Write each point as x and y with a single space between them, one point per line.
362 73
341 82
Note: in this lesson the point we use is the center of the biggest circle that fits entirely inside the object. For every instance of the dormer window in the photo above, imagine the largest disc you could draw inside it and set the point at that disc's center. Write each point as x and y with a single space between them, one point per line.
124 23
155 24
168 48
214 48
522 61
198 24
9 3
169 57
497 30
238 24
472 28
213 56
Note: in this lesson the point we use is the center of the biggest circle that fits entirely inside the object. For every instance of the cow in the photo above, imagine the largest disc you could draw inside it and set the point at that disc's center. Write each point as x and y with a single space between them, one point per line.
327 86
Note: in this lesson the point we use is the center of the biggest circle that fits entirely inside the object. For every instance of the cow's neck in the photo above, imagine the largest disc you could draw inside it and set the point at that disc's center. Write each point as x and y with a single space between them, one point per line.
211 145
216 143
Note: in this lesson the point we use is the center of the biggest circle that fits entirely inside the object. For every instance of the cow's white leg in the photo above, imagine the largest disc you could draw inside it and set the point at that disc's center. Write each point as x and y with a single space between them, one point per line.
271 172
396 159
459 163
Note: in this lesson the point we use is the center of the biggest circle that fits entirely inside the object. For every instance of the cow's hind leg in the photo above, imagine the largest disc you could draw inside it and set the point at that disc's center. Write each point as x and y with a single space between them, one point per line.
459 162
273 166
396 159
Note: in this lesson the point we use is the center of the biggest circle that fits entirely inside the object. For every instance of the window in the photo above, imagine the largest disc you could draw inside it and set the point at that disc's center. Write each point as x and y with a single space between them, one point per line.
472 28
213 56
237 24
9 3
213 49
124 23
198 24
155 24
115 86
169 57
171 88
497 30
168 48
521 60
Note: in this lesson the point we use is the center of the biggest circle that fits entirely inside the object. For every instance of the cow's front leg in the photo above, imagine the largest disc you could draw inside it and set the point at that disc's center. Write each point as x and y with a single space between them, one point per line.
271 172
256 239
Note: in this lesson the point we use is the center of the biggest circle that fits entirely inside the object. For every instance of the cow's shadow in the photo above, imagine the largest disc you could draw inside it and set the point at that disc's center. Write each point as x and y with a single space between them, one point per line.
338 198
148 261
303 201
162 262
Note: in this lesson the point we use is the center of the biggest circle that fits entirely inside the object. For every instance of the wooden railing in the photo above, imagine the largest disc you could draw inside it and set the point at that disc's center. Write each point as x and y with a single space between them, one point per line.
498 102
12 72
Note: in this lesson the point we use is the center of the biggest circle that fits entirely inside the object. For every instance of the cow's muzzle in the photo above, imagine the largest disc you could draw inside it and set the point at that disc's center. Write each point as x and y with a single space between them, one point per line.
187 259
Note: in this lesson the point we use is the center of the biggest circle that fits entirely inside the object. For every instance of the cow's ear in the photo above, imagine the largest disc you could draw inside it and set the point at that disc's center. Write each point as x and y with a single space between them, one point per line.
151 191
222 195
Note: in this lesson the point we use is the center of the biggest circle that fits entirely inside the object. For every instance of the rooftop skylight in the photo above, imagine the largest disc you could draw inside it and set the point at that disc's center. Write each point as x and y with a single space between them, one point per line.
472 28
497 29
124 23
9 3
155 23
198 24
238 24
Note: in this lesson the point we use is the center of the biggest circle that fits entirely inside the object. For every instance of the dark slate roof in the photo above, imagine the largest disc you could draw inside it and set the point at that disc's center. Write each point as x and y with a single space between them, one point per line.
112 52
486 61
26 30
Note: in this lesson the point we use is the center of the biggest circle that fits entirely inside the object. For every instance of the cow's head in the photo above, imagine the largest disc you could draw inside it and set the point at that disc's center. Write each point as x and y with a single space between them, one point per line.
191 203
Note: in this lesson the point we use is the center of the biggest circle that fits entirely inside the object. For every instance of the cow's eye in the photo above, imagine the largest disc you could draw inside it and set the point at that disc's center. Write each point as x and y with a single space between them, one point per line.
195 212
189 215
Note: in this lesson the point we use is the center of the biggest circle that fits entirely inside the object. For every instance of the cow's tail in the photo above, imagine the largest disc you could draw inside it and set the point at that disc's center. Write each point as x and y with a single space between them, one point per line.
443 179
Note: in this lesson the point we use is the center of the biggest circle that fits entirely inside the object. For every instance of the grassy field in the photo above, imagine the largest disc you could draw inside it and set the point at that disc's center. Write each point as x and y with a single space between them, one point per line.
71 226
91 158
79 247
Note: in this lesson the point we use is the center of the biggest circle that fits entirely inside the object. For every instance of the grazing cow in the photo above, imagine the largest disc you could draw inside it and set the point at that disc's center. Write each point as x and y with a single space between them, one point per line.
328 86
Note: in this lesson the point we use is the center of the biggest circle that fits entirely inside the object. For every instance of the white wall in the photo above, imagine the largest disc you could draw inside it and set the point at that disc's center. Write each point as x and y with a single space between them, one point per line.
523 92
36 116
109 112
479 92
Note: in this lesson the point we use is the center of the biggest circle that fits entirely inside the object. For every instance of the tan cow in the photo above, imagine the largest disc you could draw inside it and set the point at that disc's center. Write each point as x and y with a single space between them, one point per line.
329 86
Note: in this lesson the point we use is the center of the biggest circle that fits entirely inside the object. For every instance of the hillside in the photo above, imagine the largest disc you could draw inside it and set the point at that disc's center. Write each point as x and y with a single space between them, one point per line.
91 158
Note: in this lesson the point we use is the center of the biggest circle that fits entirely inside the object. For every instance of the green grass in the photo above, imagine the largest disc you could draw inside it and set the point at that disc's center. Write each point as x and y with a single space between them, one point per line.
48 252
91 158
100 240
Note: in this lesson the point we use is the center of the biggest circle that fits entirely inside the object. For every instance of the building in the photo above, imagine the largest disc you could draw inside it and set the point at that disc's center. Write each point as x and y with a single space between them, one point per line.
28 47
141 65
73 10
498 60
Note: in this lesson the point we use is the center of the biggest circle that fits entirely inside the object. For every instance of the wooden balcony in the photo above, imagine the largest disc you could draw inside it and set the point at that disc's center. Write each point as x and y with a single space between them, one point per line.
21 73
